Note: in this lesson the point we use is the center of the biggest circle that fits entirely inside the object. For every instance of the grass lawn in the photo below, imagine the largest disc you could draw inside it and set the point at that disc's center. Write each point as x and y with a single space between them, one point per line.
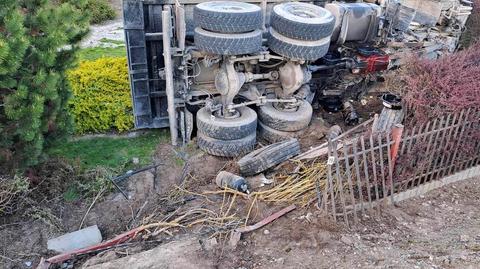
115 153
89 54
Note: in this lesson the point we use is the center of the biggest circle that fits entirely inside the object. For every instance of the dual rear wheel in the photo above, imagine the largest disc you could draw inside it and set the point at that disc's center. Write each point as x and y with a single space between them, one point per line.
236 135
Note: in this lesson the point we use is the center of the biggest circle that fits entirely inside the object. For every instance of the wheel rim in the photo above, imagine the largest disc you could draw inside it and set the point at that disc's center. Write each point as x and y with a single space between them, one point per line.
227 6
303 12
236 114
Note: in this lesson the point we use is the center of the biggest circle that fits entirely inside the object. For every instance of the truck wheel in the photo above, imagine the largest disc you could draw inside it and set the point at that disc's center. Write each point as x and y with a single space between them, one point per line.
302 21
228 16
267 157
228 44
227 128
226 148
297 49
274 136
287 121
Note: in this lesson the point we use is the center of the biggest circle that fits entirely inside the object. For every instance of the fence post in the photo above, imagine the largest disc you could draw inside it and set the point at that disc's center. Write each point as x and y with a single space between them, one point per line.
397 133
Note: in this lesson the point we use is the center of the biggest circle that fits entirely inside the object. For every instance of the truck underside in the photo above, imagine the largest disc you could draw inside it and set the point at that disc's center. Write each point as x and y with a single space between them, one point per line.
235 68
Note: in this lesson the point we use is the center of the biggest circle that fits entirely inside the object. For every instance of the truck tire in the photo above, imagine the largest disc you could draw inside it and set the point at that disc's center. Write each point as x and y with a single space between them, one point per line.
267 157
273 136
287 121
228 44
297 49
228 16
302 21
227 129
226 148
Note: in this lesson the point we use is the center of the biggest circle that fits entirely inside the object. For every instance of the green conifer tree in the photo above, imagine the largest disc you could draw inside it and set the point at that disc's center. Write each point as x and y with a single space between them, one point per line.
38 42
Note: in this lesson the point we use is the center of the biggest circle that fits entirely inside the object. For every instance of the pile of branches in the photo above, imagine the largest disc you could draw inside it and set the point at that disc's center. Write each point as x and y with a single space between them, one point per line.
433 88
12 192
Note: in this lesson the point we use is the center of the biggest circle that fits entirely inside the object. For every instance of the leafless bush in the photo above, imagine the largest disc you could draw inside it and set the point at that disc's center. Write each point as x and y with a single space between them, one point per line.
12 190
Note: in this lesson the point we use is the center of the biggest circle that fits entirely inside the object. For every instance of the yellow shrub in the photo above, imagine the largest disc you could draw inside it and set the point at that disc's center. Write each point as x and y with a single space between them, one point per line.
101 96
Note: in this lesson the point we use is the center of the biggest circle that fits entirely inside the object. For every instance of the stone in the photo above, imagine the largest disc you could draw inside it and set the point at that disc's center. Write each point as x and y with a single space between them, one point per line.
210 244
464 238
266 232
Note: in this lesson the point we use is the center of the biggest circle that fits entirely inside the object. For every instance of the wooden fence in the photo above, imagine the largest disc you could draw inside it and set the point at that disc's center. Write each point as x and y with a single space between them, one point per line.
367 171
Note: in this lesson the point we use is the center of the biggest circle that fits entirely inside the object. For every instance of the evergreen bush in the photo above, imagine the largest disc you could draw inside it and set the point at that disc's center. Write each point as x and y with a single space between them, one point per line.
37 45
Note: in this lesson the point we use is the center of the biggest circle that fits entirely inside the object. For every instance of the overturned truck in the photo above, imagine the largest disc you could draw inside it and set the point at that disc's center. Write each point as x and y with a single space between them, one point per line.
230 69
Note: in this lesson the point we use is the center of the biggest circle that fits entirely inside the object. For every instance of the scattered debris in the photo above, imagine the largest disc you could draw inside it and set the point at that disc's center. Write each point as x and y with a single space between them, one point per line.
226 179
350 114
130 173
391 115
258 181
237 233
334 132
76 240
269 156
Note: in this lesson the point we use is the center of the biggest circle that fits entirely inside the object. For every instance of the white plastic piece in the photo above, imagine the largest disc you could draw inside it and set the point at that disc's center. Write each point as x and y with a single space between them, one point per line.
76 240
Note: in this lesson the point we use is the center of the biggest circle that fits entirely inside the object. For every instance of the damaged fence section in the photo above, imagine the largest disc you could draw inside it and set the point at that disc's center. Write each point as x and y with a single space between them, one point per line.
368 171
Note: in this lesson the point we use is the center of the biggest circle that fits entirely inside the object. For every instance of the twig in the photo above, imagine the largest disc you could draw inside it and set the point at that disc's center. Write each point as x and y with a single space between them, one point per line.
90 207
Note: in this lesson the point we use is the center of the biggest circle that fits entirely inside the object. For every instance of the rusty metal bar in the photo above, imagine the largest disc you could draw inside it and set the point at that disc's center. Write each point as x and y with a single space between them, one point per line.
357 173
340 182
441 148
428 153
473 128
477 149
420 141
459 139
382 167
464 140
349 180
374 168
390 167
330 181
444 158
406 139
365 168
368 150
410 142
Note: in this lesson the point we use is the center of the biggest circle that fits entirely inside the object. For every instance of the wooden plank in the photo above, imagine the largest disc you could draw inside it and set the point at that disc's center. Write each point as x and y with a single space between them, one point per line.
349 180
365 168
357 173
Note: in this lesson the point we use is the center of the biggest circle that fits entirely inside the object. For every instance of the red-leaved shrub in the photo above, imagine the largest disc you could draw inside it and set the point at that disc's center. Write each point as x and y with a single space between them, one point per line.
432 88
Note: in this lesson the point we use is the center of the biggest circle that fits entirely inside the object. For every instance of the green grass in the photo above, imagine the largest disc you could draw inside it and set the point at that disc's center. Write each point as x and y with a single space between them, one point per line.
115 153
72 194
89 54
112 41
